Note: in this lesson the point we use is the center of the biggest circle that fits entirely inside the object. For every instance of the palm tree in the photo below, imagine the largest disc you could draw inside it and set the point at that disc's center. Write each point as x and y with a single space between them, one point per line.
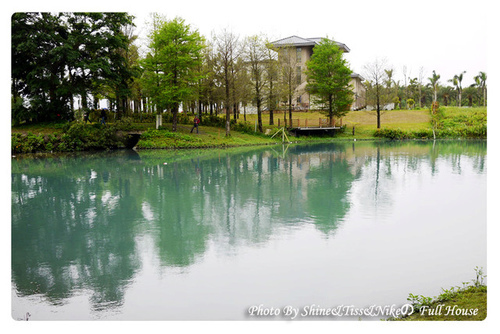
480 80
434 82
457 82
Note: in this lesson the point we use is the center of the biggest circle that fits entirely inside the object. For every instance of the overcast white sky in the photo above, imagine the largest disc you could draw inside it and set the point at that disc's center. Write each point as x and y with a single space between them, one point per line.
449 36
446 36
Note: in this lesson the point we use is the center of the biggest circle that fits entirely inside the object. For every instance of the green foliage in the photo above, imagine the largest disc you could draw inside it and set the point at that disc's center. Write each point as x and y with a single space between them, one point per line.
76 136
448 124
244 127
143 117
19 112
480 276
410 103
468 296
418 301
214 120
46 46
329 78
164 138
172 67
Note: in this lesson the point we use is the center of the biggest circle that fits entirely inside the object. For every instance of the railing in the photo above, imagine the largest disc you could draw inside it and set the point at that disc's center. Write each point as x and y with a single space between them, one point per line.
309 123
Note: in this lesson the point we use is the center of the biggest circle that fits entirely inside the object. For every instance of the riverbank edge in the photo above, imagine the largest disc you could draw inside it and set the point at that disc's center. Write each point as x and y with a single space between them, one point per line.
459 303
469 304
292 140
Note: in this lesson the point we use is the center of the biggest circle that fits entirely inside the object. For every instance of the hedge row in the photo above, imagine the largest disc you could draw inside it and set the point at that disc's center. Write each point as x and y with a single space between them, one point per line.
476 132
76 136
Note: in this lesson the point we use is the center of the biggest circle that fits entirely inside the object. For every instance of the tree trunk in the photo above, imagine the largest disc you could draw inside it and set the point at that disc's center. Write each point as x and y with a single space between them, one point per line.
158 121
378 108
259 117
175 111
227 102
228 121
271 103
199 109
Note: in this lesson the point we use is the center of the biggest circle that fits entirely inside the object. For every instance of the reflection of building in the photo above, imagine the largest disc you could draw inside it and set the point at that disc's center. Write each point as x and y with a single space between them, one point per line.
299 50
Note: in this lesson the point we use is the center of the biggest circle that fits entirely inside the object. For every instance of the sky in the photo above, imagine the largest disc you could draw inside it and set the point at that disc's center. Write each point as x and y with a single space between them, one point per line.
446 36
442 35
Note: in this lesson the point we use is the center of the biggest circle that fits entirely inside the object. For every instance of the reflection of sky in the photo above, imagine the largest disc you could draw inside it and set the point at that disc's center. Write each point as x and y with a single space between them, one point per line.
432 232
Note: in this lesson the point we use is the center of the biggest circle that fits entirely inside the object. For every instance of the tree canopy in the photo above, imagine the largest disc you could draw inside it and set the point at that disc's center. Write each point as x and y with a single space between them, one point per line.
172 67
57 56
329 78
61 58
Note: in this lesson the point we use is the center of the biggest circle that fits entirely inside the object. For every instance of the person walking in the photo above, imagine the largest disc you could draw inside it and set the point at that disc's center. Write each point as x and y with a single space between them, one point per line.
86 117
195 125
103 116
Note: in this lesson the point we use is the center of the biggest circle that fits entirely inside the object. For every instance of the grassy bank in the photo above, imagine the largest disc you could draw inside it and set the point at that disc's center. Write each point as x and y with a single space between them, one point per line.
466 303
207 137
360 125
455 122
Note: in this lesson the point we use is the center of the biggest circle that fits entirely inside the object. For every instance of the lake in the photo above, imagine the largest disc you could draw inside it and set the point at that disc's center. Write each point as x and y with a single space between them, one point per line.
245 234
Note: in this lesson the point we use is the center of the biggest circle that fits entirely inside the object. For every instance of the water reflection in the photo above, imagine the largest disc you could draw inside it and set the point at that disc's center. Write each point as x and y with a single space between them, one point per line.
76 220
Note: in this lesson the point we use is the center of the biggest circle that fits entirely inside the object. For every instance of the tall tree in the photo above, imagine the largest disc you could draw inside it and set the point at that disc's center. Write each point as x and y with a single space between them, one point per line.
209 83
124 72
227 48
289 75
376 75
420 78
174 66
39 60
457 82
271 64
390 92
255 54
480 81
434 81
329 78
56 56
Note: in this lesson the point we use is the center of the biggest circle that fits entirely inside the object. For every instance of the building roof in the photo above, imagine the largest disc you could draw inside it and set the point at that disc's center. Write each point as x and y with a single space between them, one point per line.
356 75
299 41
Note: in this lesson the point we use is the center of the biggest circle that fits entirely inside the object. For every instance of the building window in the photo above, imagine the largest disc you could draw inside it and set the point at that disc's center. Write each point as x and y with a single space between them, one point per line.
298 75
299 55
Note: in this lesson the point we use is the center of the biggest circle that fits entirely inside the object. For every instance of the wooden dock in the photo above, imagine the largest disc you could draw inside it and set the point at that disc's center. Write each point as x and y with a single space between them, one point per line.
327 130
310 127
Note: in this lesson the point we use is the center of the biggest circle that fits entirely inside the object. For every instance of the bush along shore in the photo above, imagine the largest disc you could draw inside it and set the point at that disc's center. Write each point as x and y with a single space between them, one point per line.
448 123
72 137
465 303
444 124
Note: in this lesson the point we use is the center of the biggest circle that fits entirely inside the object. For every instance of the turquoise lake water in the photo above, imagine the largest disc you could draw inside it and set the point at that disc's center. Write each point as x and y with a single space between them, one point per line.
207 235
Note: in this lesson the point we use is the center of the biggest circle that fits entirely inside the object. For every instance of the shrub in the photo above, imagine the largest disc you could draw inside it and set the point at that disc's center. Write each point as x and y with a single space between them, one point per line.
243 127
213 120
76 136
392 134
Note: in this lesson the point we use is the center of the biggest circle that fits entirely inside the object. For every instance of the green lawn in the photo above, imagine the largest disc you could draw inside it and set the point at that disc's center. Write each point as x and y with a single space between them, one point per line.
207 137
466 120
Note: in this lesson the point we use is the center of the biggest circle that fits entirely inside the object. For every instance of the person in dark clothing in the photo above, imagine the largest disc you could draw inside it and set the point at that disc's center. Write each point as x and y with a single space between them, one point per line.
195 125
103 116
86 118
